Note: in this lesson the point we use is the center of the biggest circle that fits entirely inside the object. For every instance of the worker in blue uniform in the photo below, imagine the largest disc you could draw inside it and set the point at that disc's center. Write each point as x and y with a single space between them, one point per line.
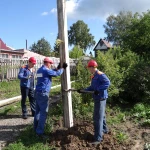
99 85
44 81
26 76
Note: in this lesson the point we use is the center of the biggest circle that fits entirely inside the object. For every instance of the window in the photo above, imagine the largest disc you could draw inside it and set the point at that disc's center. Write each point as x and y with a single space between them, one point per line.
4 55
16 56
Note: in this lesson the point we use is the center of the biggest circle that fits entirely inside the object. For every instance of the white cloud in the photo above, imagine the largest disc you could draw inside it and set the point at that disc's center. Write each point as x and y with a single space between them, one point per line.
71 6
54 10
51 33
44 13
80 9
103 8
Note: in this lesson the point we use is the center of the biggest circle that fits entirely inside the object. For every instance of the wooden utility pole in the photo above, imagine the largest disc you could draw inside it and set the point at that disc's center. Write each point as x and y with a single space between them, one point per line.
64 57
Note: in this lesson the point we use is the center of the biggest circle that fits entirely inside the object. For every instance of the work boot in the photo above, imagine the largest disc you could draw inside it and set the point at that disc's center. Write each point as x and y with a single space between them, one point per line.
95 142
33 114
24 116
106 132
42 136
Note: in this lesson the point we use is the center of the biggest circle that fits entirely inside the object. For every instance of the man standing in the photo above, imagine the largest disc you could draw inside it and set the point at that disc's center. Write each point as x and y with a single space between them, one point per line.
44 81
26 76
99 85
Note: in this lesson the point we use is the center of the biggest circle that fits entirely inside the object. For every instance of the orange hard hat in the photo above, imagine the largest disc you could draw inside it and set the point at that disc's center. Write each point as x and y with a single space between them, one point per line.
92 63
32 60
47 59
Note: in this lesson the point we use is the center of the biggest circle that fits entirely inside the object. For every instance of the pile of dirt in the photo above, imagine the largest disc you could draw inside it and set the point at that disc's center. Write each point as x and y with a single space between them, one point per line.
80 137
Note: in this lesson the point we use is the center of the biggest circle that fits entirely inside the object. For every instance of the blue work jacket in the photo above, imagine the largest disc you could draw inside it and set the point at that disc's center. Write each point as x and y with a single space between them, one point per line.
100 83
24 74
44 78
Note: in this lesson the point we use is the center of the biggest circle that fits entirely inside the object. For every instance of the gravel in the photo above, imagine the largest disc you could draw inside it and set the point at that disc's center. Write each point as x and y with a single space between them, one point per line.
11 126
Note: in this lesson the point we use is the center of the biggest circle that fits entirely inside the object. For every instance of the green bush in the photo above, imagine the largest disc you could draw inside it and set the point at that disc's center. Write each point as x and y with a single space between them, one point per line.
128 73
136 84
129 76
141 111
109 65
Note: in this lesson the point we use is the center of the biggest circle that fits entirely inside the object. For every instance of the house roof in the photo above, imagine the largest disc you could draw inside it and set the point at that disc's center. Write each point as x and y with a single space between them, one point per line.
11 51
107 43
28 54
102 44
4 46
10 47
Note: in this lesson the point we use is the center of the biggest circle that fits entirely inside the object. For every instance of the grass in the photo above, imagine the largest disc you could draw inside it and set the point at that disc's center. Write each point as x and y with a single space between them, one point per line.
28 141
12 88
121 136
115 115
9 89
10 109
141 113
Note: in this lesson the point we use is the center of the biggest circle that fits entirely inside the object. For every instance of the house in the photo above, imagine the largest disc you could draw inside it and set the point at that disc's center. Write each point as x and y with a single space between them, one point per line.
27 54
102 46
8 52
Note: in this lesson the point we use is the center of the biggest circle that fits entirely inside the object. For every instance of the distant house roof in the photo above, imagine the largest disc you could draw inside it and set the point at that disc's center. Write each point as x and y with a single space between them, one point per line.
11 51
102 45
4 46
28 54
10 47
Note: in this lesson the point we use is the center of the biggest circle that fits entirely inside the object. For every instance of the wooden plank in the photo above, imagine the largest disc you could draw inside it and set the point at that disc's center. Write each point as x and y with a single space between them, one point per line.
64 57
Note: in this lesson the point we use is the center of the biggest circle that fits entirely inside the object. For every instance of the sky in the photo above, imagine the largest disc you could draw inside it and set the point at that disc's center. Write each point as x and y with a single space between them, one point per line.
34 19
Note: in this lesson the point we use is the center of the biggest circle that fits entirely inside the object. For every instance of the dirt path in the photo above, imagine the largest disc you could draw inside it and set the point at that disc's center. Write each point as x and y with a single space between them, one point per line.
10 127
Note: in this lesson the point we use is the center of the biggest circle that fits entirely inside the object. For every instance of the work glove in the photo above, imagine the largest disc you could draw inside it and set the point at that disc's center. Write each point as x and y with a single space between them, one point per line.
79 90
30 76
96 92
65 65
58 67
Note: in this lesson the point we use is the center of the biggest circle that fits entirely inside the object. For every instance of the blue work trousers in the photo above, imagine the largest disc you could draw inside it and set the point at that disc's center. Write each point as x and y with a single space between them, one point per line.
42 105
99 119
27 92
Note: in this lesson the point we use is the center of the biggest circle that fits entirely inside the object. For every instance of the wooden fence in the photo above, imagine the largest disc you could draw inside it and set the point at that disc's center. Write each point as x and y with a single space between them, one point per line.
9 68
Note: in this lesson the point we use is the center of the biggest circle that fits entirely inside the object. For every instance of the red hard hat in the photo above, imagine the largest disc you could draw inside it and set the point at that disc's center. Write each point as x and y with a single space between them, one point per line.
32 60
92 63
47 59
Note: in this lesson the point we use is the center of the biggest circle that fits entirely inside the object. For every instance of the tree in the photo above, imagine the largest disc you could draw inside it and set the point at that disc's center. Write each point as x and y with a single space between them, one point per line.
56 48
117 25
137 36
42 47
79 35
76 52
